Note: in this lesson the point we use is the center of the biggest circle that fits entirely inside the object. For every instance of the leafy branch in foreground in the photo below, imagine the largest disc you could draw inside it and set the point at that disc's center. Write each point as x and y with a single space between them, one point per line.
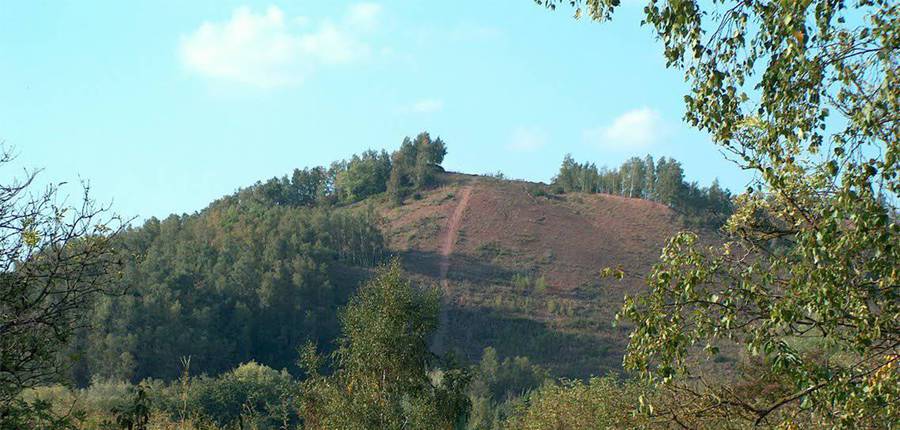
55 259
806 94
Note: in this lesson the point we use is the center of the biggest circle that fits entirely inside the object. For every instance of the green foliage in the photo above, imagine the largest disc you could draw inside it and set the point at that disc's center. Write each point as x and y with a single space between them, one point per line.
508 379
307 187
429 155
521 282
383 377
345 182
237 282
249 392
249 396
364 175
537 190
253 276
497 386
805 94
19 414
135 415
414 166
601 403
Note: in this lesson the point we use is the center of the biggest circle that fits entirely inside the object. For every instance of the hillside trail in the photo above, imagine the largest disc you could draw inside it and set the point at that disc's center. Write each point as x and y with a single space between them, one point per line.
447 240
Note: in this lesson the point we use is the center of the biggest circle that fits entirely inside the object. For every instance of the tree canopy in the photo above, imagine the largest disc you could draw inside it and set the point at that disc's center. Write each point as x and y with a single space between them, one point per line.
384 376
234 283
415 165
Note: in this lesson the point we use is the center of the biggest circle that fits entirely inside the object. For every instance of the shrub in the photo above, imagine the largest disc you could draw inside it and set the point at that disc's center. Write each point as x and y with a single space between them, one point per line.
601 403
521 282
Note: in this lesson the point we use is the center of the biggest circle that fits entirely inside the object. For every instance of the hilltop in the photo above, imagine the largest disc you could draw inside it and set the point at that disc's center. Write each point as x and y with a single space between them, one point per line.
524 271
260 272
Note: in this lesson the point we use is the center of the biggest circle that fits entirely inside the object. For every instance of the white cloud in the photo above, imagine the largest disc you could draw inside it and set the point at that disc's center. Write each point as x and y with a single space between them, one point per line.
427 106
364 15
267 50
635 129
527 140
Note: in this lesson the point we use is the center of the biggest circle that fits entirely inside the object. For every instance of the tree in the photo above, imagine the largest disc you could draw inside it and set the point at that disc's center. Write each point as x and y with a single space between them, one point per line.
414 165
403 163
310 185
663 182
233 283
250 387
649 178
566 176
54 261
383 376
633 177
669 181
807 95
365 175
428 155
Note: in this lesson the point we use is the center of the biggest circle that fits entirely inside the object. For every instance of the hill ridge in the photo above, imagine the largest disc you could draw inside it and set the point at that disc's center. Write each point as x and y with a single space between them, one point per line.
513 260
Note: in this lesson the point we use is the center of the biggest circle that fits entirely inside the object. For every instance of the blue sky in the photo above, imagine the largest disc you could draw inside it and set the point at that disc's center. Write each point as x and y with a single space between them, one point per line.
164 106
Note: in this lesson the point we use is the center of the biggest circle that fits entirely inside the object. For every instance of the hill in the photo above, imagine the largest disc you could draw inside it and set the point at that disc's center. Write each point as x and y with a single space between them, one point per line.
257 274
523 267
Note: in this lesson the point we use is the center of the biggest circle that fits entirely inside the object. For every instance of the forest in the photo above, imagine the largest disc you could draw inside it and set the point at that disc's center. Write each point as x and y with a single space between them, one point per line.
283 305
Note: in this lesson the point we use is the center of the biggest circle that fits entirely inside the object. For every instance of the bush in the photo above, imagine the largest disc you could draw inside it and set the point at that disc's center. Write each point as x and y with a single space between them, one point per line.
521 282
250 391
537 190
601 403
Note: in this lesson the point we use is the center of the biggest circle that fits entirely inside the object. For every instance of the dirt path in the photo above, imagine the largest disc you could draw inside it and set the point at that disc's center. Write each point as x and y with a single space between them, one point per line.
448 238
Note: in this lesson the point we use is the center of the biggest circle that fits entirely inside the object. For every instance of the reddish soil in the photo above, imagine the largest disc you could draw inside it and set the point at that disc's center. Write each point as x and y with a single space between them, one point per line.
447 240
568 238
451 232
491 232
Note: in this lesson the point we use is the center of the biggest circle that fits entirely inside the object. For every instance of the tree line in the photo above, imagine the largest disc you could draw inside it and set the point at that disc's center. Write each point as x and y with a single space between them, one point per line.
661 181
410 169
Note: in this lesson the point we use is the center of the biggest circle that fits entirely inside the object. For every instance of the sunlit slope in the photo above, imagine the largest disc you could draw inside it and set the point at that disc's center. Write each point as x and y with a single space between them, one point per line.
523 274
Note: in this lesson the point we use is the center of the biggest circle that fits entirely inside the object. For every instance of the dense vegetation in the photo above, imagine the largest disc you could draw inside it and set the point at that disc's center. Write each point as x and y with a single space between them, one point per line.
410 169
54 259
256 274
383 370
233 284
206 305
252 277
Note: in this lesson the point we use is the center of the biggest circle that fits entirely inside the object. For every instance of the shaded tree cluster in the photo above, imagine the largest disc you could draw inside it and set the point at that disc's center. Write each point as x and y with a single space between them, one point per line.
234 283
415 165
